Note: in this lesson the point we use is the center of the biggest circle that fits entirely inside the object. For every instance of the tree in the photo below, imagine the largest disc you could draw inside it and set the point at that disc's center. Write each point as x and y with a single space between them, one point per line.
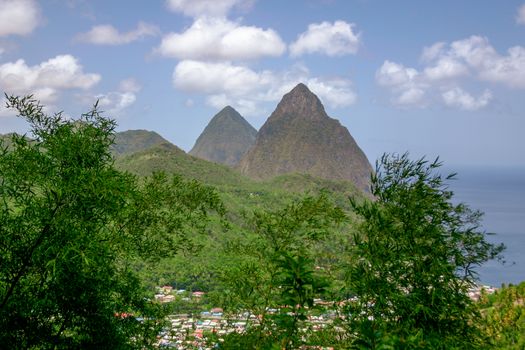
415 258
504 317
276 271
72 228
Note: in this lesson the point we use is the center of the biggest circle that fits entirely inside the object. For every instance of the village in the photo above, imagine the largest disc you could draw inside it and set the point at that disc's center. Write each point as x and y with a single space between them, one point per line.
197 331
202 329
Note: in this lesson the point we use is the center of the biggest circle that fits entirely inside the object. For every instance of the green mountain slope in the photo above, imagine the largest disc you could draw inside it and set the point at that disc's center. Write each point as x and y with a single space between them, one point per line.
238 191
172 160
132 141
225 139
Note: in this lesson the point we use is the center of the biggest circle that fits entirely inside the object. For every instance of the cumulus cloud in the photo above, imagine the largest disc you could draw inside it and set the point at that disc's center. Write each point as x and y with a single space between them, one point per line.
406 84
221 39
520 17
336 93
225 83
109 35
214 8
476 55
394 74
18 17
508 70
213 78
458 98
115 102
445 66
332 39
45 79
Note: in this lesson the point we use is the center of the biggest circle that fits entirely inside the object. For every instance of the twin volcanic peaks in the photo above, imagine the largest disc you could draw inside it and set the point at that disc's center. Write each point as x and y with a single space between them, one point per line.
298 137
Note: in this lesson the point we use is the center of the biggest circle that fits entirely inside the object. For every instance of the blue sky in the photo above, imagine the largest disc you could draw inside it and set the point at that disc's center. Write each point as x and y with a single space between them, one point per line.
433 78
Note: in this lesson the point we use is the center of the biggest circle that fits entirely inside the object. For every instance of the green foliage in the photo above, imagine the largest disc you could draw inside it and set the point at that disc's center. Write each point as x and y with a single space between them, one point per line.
278 271
414 261
171 159
504 317
71 230
171 213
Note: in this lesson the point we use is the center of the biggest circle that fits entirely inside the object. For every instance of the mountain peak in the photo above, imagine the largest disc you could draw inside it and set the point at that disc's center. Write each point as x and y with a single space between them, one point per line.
301 88
299 137
225 139
227 112
301 102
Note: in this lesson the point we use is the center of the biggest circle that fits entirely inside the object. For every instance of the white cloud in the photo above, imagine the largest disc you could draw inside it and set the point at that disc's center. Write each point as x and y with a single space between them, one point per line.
221 39
130 85
430 53
225 83
445 66
109 35
485 63
214 78
458 98
19 17
199 8
508 70
46 79
62 71
336 93
520 17
45 94
335 39
115 102
406 84
394 74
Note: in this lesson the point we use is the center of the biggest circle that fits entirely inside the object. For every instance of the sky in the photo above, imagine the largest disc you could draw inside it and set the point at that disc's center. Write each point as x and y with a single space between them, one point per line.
434 78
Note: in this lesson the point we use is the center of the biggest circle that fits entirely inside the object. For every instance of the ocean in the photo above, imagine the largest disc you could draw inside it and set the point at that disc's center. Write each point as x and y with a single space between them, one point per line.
500 194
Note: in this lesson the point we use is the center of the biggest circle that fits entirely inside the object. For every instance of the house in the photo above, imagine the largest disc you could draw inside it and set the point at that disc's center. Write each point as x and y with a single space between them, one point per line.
166 289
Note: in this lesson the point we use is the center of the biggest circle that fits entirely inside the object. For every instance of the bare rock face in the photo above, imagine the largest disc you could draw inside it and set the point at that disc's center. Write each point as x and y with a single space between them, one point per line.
299 137
225 139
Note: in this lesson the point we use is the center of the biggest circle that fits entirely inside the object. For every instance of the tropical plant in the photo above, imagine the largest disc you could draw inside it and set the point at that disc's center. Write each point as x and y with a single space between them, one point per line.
415 258
72 228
